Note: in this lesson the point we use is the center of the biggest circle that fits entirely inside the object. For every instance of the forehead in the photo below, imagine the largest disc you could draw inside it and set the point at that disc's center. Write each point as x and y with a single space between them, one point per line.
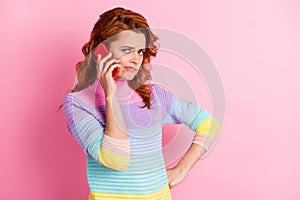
130 38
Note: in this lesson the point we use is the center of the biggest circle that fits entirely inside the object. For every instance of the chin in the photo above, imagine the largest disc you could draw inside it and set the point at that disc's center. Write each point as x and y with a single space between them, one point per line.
127 78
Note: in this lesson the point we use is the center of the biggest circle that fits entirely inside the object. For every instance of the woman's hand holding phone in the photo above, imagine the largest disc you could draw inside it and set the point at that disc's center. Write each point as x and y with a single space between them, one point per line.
105 68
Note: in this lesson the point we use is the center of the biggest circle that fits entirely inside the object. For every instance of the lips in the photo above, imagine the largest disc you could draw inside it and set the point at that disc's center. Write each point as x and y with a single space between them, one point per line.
130 68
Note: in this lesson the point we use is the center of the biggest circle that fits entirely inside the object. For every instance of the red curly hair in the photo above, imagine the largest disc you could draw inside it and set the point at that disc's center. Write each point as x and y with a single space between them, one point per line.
111 23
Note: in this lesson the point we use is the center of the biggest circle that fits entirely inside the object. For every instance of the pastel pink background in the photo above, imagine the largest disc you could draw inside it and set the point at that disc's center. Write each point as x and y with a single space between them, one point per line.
255 46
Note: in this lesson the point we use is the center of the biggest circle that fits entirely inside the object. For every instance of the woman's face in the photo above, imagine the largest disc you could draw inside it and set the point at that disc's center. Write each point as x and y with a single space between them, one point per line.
128 49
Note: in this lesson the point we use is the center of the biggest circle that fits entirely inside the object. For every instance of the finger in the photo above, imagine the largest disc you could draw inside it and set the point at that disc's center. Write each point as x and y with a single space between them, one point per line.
112 67
168 172
107 64
98 66
101 62
98 59
172 184
170 178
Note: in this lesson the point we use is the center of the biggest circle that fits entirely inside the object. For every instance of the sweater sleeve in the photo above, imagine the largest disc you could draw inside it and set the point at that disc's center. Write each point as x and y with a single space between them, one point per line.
178 111
89 133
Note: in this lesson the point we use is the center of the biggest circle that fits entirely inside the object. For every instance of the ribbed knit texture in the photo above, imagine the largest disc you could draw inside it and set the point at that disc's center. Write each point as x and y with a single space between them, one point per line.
132 168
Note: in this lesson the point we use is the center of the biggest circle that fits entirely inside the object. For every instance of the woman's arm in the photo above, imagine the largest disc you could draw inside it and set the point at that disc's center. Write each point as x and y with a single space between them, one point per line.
115 150
89 132
177 174
199 120
205 132
115 125
115 145
191 157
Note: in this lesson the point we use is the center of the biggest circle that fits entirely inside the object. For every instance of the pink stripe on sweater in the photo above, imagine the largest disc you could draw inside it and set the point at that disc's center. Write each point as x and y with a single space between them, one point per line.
94 94
119 146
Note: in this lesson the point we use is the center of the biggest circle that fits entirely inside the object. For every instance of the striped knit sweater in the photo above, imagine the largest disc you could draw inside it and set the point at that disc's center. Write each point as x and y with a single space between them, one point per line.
132 168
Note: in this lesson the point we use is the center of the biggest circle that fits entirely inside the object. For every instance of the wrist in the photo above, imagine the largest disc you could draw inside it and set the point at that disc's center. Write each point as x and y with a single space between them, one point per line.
110 98
183 167
191 157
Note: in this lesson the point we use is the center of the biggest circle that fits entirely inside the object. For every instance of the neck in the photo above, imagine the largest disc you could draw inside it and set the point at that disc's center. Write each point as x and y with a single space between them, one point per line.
124 90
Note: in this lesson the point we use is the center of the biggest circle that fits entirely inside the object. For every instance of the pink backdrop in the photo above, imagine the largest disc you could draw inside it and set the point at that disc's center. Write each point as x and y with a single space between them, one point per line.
255 46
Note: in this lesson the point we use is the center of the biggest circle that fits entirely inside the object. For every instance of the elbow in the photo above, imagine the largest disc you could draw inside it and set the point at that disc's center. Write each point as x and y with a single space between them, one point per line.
209 128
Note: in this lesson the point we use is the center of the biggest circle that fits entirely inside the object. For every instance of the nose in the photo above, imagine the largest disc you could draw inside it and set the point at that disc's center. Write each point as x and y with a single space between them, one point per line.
135 58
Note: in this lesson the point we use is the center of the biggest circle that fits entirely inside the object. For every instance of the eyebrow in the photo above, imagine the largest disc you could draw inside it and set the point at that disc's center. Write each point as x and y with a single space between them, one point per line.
130 47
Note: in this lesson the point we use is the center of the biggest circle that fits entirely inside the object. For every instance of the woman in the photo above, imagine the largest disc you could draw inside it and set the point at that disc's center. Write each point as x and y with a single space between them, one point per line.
118 120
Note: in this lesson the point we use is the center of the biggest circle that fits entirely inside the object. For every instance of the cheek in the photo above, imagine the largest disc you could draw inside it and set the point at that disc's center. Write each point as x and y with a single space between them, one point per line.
117 54
124 60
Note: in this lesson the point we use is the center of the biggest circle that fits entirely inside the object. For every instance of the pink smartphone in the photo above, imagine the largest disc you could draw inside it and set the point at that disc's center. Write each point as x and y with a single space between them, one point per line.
102 50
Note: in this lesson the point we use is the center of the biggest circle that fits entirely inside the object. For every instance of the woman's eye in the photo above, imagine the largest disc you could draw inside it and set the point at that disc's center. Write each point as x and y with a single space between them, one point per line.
142 51
125 50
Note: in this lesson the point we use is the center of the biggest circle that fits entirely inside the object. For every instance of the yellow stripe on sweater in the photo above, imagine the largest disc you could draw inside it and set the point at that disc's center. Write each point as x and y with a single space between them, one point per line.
112 160
163 194
209 127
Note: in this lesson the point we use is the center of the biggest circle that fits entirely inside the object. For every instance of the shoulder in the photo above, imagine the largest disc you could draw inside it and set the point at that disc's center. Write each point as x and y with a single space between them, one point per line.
161 91
72 100
162 94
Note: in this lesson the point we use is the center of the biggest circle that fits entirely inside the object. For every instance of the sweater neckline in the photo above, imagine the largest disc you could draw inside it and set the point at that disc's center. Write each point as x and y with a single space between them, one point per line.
95 95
